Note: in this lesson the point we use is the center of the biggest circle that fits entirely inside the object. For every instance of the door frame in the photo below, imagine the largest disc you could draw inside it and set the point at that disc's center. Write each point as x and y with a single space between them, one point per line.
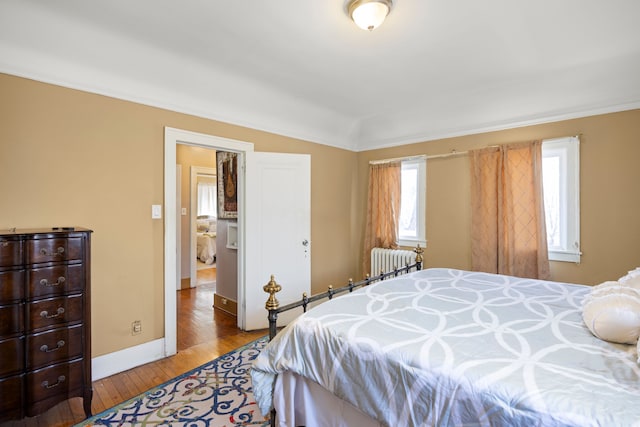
173 137
178 226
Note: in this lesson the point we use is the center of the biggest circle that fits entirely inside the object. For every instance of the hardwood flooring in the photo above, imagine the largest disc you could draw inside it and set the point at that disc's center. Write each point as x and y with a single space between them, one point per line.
203 335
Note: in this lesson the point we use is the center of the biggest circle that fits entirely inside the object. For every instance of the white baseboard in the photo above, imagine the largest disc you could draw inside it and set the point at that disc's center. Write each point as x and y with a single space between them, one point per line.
119 361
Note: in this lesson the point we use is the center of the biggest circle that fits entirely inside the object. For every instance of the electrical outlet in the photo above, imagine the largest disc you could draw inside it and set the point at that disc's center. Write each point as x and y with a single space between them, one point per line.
136 327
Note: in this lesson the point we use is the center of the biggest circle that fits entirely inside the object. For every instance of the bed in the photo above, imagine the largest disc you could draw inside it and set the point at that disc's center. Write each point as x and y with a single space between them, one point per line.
446 347
206 239
206 247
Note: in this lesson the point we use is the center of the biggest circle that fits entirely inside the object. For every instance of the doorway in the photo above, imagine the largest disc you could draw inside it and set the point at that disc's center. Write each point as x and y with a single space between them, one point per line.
174 137
203 221
276 240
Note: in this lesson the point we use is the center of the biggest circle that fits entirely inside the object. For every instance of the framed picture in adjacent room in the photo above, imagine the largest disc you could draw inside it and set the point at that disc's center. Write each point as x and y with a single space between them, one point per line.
227 173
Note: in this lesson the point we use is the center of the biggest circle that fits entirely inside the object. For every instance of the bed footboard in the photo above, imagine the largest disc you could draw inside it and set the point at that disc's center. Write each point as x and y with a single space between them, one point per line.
272 288
273 306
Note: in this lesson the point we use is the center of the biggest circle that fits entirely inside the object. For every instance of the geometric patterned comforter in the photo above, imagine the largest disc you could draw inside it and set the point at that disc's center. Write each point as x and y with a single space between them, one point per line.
446 347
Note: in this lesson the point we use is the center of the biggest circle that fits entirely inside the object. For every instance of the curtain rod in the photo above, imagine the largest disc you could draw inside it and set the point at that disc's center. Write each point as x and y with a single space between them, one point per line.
398 159
453 152
422 156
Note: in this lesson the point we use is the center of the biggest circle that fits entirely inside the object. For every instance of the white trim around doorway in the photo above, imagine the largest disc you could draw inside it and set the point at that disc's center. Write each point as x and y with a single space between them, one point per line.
173 137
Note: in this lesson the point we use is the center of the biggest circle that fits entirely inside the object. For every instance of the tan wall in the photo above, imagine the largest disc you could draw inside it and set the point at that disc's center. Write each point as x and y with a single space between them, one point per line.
610 201
72 158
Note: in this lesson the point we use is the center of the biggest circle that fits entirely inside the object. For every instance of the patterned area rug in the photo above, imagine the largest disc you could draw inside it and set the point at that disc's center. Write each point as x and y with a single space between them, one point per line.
216 394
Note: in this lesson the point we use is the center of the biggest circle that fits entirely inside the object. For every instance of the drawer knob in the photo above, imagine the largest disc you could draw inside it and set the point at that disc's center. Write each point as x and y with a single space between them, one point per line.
45 348
60 281
46 314
4 243
57 252
61 379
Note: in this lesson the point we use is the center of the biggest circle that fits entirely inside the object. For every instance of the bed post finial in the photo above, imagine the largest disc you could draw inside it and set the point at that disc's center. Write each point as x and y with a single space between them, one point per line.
419 251
271 288
272 305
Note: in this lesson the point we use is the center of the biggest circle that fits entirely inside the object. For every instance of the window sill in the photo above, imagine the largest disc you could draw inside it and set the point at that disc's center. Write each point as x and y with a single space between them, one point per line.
565 256
412 243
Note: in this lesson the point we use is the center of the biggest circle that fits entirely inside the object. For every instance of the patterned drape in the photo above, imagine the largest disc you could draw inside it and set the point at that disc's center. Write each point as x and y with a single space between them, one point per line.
508 233
383 209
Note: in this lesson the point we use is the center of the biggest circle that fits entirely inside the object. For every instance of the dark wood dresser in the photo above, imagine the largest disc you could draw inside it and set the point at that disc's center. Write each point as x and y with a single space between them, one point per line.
45 316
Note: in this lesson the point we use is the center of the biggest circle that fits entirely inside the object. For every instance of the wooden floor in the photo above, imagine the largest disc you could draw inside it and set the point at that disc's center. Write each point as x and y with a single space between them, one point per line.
203 335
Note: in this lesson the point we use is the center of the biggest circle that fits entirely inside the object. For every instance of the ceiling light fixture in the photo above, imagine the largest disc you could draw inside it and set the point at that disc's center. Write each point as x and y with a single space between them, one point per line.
368 14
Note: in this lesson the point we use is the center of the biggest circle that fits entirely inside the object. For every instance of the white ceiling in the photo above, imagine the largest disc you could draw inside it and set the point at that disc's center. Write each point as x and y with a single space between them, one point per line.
301 68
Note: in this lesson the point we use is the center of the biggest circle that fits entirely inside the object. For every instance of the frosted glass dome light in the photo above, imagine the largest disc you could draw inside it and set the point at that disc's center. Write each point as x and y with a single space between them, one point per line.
369 14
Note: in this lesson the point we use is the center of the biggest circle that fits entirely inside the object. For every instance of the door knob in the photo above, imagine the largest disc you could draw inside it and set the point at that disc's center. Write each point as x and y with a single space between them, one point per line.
305 242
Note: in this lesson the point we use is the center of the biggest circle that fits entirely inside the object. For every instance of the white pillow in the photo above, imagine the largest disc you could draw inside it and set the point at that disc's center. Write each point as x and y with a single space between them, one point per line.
631 279
202 225
603 289
612 312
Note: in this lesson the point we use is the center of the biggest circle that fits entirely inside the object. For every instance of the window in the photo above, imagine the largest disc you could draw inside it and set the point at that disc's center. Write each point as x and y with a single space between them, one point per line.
411 225
207 199
561 184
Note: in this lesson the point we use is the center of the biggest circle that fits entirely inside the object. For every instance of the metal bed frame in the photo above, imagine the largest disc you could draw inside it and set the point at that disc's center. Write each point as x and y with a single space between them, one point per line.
273 306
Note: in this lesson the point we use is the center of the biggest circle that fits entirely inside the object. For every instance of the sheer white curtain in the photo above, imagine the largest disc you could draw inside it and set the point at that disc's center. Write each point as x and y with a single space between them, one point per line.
206 199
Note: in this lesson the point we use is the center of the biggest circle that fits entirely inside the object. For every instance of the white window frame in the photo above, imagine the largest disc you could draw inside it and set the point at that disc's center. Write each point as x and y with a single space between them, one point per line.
568 150
420 164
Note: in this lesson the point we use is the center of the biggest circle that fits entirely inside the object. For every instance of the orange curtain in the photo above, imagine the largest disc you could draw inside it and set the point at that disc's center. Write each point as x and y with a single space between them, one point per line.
508 234
383 209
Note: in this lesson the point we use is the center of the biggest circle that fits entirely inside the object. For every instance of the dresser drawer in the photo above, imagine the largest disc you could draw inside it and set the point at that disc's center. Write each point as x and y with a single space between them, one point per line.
48 386
10 252
54 312
54 346
11 285
45 320
11 356
11 390
56 280
11 319
54 249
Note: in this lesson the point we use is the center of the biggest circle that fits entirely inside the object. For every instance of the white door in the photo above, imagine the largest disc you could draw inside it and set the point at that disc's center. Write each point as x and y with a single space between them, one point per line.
277 233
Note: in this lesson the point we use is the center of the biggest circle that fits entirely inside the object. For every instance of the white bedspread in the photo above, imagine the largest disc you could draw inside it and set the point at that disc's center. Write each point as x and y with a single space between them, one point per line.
449 348
206 247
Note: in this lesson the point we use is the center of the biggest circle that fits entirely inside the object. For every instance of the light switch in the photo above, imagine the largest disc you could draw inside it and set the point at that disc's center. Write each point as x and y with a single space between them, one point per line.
156 211
184 211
